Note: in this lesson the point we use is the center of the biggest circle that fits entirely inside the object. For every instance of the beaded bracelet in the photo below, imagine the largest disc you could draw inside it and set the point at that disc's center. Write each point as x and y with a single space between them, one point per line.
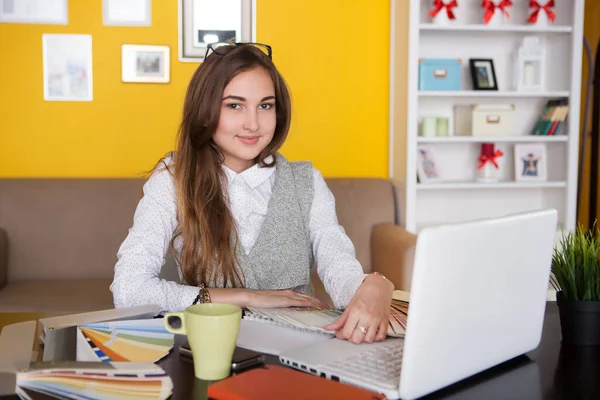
203 295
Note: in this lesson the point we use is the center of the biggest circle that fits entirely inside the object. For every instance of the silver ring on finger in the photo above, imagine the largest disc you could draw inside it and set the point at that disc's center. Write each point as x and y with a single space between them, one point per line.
363 330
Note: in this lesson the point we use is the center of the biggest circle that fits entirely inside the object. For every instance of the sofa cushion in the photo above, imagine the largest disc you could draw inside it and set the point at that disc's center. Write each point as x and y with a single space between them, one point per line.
56 297
66 228
362 203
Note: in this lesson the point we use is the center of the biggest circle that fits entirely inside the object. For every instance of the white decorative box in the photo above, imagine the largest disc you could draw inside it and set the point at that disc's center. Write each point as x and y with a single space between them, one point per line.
484 120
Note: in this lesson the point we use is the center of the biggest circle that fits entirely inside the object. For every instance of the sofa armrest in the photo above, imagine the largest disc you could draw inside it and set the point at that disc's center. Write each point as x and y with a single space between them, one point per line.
3 257
392 253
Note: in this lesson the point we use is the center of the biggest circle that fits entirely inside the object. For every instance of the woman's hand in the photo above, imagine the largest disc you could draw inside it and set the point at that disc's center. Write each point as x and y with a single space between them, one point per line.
264 298
367 316
282 298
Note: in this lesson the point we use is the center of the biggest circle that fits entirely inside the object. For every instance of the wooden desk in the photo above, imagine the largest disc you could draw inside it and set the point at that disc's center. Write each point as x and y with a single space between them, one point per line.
552 371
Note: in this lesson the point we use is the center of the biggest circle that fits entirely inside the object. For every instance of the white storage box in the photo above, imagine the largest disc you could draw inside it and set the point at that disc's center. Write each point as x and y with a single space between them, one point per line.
484 120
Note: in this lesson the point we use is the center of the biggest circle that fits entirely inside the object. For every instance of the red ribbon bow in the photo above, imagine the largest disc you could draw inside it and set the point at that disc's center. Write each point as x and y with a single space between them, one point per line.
438 5
490 8
538 7
483 159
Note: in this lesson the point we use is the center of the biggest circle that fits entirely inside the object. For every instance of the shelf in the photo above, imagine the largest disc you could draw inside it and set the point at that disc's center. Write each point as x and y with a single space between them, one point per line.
490 139
483 186
499 28
490 93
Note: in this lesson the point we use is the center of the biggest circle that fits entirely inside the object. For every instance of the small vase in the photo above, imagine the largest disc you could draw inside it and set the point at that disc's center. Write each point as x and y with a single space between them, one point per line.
442 126
441 18
428 126
579 321
487 172
498 18
542 18
446 15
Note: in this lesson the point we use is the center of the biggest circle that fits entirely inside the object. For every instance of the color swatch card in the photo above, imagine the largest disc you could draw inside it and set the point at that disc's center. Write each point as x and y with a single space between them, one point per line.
95 381
142 340
313 319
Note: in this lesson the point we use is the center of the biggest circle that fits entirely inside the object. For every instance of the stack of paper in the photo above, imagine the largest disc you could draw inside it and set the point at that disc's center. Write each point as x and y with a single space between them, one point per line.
96 381
398 317
142 340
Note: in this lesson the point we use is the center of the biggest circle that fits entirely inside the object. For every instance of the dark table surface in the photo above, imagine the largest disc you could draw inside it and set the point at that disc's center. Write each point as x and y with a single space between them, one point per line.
552 371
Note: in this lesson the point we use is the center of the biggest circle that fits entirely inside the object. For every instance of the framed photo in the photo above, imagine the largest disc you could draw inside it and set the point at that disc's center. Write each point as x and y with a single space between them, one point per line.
483 74
427 166
55 12
67 67
207 21
530 162
143 63
127 13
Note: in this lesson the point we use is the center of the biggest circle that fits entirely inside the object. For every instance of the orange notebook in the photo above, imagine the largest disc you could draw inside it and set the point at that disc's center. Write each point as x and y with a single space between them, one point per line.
274 382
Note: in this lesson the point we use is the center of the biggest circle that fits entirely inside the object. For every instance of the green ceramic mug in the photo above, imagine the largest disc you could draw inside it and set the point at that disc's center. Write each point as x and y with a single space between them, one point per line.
212 331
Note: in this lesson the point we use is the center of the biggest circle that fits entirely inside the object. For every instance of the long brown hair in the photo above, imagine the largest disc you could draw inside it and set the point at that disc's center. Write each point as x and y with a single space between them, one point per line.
205 222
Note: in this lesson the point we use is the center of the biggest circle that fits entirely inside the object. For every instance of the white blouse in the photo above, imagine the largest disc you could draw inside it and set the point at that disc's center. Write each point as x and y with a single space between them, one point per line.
141 255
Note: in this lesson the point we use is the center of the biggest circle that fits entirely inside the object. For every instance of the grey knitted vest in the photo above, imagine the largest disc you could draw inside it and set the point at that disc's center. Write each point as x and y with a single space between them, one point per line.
282 257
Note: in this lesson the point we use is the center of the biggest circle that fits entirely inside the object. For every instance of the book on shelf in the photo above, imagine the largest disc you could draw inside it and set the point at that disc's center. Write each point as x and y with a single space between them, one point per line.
553 119
313 319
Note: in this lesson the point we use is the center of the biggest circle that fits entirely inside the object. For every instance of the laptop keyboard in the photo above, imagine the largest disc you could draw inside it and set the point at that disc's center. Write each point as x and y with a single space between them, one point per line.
381 364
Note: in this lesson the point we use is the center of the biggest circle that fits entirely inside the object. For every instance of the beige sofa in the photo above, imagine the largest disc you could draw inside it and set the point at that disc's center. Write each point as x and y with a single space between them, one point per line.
59 238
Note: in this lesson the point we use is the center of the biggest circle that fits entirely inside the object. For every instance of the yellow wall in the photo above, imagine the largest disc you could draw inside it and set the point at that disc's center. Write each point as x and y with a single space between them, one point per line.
334 55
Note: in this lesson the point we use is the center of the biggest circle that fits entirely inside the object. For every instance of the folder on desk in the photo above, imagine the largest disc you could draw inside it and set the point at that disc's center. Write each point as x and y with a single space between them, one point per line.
275 382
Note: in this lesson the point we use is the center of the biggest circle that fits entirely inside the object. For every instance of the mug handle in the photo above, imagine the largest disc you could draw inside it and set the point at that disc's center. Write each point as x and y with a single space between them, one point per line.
174 322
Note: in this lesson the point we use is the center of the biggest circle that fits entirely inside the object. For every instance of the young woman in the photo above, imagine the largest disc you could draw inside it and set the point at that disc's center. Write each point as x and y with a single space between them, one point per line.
244 224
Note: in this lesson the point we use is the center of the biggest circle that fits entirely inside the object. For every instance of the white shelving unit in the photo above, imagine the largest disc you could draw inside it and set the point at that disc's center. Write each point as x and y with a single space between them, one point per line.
480 94
459 197
481 28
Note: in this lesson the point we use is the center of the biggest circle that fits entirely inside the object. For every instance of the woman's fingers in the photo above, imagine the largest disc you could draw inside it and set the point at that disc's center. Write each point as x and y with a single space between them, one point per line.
361 330
382 331
307 300
337 324
372 331
350 326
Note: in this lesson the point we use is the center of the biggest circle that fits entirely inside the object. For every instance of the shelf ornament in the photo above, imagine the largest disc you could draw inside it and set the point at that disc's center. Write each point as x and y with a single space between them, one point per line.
530 68
495 13
541 14
442 12
488 169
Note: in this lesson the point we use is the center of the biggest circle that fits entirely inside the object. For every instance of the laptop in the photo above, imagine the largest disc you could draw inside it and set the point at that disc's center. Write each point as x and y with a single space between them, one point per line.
477 299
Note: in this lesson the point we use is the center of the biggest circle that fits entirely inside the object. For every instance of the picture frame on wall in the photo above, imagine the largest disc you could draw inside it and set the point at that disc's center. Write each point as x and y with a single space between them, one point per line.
145 63
127 13
208 21
483 74
428 169
530 162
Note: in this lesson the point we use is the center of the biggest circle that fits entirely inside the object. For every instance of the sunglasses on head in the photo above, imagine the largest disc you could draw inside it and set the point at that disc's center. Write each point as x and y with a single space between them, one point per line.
221 48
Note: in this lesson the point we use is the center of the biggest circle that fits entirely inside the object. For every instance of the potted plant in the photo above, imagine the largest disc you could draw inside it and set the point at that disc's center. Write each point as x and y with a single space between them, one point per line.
576 278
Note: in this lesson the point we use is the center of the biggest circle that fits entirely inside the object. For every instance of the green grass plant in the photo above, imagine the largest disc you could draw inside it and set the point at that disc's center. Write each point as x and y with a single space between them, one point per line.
576 266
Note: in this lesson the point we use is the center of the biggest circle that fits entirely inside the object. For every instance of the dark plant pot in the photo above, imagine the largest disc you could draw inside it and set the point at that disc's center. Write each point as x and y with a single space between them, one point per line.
579 321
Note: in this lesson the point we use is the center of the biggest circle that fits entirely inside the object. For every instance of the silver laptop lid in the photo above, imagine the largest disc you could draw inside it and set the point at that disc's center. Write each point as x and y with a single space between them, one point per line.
478 297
